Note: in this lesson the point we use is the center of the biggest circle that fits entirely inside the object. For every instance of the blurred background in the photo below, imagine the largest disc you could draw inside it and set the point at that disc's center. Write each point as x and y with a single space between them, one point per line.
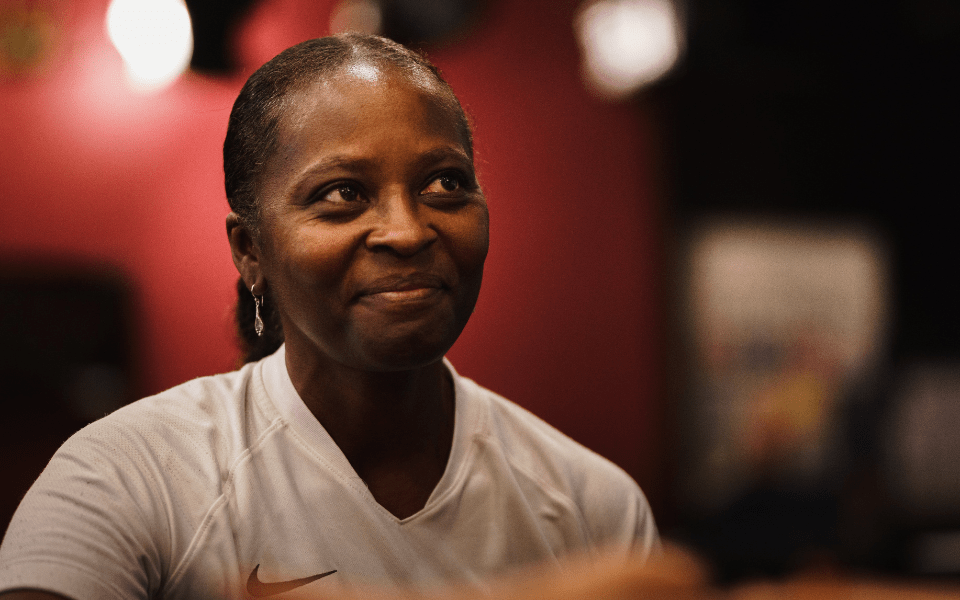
721 245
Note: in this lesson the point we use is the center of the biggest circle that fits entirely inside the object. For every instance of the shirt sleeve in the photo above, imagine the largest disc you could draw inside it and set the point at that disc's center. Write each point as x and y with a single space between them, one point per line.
92 525
617 512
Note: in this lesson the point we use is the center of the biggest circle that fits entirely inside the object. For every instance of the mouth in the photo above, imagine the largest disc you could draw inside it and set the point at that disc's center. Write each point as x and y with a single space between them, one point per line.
402 288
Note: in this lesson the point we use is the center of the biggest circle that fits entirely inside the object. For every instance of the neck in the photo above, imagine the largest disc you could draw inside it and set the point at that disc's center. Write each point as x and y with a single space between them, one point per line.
395 428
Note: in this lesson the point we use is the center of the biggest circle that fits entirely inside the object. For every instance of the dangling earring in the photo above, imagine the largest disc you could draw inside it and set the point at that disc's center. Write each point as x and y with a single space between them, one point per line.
257 321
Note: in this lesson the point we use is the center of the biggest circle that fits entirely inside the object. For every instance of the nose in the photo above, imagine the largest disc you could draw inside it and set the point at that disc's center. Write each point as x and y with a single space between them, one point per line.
400 226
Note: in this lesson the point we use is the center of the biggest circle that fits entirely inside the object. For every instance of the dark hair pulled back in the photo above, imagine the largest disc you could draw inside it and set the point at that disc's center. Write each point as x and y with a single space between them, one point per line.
252 139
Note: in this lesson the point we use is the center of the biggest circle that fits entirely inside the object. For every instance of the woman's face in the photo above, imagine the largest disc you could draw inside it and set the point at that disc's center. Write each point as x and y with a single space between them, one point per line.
374 230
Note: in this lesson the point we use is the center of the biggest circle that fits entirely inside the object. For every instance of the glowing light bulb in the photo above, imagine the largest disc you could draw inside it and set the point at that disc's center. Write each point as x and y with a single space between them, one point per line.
154 37
627 43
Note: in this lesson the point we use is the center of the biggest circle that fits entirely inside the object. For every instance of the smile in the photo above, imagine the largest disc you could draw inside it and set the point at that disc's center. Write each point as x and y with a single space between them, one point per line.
403 289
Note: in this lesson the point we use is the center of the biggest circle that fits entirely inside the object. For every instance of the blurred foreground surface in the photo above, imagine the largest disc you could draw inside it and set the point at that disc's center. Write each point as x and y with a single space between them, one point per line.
676 575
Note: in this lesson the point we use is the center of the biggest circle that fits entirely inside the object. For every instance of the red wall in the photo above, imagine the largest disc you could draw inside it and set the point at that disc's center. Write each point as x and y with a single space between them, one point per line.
568 321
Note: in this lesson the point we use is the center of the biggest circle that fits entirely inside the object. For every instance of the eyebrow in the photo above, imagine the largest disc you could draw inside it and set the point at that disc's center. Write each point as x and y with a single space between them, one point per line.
337 162
443 152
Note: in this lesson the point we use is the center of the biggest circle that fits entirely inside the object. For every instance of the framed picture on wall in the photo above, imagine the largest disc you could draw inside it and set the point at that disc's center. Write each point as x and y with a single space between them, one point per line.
781 322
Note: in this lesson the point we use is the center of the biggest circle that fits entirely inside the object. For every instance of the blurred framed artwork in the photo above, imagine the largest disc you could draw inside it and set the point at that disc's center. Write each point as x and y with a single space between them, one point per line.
781 321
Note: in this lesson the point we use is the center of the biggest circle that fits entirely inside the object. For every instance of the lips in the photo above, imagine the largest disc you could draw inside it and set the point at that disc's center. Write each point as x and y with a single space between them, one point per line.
402 288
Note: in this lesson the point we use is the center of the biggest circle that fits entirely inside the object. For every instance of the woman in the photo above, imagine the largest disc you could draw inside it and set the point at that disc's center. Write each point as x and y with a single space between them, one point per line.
348 451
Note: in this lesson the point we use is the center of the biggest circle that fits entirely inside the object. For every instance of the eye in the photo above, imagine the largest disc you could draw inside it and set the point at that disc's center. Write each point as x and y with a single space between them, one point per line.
341 193
444 184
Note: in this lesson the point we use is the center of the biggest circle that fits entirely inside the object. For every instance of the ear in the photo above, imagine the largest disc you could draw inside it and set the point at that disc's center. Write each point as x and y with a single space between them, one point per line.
246 253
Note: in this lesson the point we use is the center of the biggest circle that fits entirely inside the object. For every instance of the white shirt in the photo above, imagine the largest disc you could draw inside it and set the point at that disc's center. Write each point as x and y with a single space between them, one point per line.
182 494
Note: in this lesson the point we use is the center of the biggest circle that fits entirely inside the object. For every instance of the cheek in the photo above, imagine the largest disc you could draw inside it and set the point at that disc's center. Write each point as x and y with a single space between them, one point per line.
306 265
472 241
469 252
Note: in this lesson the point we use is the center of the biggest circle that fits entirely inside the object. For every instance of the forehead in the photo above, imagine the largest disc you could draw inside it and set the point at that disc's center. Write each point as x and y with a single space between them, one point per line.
363 100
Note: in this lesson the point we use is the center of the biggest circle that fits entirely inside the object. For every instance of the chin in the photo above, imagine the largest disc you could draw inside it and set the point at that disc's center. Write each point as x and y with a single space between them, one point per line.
407 350
392 345
404 356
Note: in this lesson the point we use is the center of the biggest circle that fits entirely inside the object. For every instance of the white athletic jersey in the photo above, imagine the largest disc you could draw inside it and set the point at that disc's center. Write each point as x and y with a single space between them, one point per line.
183 494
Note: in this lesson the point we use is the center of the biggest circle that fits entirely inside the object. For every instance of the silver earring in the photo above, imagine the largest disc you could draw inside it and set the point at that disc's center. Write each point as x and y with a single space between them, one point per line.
257 321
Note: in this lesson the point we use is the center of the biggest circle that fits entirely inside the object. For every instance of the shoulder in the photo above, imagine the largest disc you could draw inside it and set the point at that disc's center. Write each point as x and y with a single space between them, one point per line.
533 443
125 495
175 447
610 501
210 417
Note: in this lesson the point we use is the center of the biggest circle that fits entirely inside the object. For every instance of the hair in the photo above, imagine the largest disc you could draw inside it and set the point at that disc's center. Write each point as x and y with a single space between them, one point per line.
252 138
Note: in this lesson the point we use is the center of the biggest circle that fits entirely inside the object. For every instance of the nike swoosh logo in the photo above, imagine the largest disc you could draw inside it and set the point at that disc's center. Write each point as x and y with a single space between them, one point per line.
259 589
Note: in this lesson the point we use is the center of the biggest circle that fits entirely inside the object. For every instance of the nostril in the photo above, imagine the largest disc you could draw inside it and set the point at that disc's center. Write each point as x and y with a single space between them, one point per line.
402 231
